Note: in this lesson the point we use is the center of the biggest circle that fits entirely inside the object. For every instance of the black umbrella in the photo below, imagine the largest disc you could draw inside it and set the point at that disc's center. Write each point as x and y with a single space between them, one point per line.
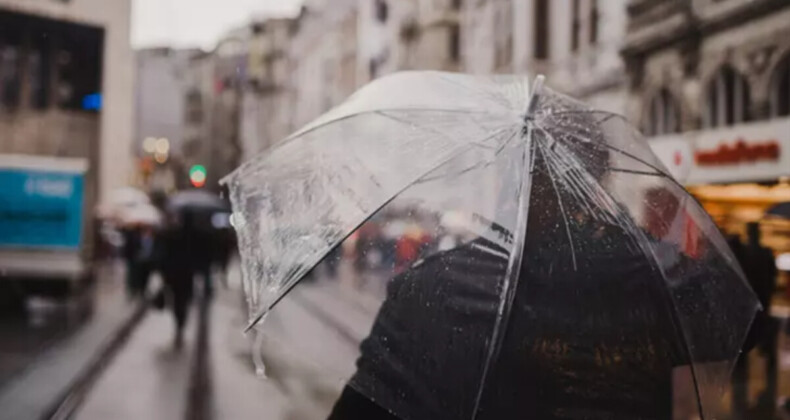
198 200
780 210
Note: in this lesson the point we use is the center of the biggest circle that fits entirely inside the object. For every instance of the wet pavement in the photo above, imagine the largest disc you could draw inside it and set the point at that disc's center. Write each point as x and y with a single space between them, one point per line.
149 378
29 330
308 348
42 358
293 370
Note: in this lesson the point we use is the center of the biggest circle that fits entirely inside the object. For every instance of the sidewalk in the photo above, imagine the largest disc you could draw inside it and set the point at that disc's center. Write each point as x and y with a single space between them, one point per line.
149 379
238 393
31 393
309 345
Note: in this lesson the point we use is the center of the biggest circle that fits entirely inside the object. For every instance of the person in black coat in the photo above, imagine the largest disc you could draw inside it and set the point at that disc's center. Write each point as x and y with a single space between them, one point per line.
130 251
178 268
596 329
760 269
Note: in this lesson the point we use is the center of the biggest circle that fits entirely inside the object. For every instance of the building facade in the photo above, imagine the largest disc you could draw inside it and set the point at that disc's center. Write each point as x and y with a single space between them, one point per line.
67 84
388 37
161 116
323 57
161 96
267 99
304 66
710 87
575 43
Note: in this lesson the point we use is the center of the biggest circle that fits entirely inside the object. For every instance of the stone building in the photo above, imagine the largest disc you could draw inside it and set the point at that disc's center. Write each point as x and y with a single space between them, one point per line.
161 95
487 36
439 35
66 84
575 43
323 56
705 63
388 38
267 99
161 113
710 87
199 90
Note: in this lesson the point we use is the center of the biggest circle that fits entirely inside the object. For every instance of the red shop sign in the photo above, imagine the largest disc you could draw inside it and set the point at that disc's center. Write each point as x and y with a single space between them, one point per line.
740 152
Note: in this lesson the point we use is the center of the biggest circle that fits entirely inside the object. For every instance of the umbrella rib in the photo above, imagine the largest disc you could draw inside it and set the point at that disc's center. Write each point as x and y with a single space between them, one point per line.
254 161
636 172
350 232
500 131
512 273
562 207
377 111
498 100
638 159
630 155
643 242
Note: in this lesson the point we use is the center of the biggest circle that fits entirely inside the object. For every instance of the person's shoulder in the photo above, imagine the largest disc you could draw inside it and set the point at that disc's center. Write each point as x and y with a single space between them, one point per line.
477 253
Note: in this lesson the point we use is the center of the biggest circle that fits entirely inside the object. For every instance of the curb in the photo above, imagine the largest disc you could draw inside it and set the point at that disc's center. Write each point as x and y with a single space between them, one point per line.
66 405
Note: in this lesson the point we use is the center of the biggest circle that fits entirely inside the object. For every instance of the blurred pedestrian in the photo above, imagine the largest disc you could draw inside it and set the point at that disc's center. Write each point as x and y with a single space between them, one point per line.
146 259
224 249
130 250
178 269
760 270
203 250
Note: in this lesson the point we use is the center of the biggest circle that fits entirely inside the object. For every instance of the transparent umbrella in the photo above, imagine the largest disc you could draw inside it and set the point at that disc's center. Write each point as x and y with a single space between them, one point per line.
586 280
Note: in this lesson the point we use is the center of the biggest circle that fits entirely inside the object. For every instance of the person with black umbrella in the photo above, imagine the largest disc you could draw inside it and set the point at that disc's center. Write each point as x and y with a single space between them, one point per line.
177 241
591 334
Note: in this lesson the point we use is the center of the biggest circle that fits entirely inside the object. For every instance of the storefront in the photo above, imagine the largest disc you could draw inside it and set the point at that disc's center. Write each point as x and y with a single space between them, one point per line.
737 173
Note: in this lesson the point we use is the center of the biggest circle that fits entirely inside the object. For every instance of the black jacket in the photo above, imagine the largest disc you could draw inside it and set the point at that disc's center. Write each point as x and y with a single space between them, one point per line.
601 315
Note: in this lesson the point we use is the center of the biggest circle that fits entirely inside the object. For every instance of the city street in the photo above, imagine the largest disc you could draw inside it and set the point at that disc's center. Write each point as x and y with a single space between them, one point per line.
308 346
46 351
523 208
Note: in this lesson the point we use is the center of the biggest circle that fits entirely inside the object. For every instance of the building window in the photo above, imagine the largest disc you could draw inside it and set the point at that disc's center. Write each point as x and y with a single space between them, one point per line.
594 18
194 106
382 11
9 76
780 103
575 25
39 66
727 99
541 25
662 115
503 53
455 42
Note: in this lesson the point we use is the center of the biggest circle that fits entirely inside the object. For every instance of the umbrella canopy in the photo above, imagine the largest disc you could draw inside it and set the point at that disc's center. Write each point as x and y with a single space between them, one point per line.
780 210
198 200
120 200
592 276
140 215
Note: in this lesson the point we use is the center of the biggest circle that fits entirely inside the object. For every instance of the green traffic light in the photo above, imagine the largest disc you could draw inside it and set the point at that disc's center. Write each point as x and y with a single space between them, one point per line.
197 175
197 169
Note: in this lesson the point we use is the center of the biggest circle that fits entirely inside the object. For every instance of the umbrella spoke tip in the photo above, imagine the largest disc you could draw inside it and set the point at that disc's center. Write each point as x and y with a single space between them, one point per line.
537 88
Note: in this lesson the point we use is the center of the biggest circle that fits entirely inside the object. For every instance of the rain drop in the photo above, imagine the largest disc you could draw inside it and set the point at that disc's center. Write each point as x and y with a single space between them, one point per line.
257 350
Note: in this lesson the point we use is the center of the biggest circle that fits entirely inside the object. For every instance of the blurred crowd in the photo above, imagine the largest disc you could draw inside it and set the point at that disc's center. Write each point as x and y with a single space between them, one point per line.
185 238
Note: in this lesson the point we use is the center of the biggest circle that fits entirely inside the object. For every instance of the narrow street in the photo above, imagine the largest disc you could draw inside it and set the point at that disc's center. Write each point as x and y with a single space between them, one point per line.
307 347
51 348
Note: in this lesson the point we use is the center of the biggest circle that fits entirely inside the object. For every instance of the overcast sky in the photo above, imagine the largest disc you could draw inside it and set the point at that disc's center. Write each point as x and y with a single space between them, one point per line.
197 23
